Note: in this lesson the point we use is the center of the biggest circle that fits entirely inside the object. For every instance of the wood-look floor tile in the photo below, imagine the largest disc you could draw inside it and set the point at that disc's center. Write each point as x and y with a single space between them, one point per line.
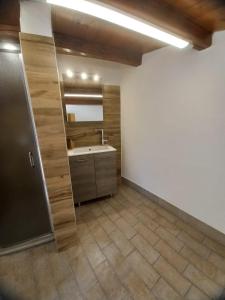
163 291
149 253
68 290
146 233
137 287
113 255
170 239
202 282
151 213
95 293
111 212
63 277
217 260
129 217
175 259
166 214
133 198
143 269
126 228
83 273
116 204
23 281
101 236
110 282
199 248
197 235
195 294
204 265
121 242
46 288
170 227
107 224
148 202
147 221
216 247
126 247
172 276
93 252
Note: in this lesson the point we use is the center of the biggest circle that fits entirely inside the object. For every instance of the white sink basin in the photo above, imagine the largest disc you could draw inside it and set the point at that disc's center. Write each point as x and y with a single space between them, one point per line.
90 150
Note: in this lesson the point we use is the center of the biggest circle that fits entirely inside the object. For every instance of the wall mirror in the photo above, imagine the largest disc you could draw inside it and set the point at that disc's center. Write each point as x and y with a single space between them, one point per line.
83 102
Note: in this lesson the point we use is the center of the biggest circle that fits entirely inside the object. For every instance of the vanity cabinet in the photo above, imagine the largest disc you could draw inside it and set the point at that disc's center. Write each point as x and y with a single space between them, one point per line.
83 177
105 173
93 175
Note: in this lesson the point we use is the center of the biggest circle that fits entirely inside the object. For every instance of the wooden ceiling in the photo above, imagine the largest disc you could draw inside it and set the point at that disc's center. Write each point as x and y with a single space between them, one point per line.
9 19
79 34
193 20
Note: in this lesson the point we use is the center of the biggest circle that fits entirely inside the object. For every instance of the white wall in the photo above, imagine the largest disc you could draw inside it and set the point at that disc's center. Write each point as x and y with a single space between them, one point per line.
35 18
111 73
173 128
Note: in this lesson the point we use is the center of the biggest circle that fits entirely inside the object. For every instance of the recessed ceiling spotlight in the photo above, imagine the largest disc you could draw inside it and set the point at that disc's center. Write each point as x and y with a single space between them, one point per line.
121 19
10 47
83 76
69 73
96 77
83 54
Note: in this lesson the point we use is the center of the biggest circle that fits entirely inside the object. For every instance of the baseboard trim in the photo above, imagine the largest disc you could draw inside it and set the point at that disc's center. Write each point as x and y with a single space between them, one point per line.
209 231
28 244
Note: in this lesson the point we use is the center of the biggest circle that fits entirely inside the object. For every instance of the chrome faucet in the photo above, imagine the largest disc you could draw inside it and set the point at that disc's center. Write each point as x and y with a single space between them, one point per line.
104 141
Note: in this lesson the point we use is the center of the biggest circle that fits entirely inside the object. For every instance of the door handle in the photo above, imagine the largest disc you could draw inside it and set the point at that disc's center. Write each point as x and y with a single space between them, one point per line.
31 158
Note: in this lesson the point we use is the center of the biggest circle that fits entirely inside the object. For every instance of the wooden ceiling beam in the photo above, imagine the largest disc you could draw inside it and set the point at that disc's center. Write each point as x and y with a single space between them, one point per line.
166 16
95 50
9 20
10 12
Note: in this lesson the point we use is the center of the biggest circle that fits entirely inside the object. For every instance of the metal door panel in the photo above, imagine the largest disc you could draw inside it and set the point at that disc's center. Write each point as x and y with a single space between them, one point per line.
23 207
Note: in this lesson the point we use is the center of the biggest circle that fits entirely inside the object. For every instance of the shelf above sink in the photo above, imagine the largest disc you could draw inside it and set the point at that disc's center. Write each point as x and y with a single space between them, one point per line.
90 150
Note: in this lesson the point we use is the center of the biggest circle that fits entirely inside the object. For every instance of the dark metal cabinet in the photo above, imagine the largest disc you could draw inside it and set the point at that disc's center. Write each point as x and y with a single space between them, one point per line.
93 175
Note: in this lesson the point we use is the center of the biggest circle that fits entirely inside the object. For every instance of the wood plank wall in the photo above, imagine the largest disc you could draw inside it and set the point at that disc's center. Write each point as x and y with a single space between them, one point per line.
43 82
84 134
112 126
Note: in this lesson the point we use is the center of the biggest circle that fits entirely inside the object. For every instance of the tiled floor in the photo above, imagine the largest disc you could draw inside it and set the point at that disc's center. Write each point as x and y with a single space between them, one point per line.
129 248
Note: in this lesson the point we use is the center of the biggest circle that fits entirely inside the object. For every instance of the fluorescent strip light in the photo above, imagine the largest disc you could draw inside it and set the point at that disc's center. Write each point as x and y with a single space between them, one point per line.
121 19
83 95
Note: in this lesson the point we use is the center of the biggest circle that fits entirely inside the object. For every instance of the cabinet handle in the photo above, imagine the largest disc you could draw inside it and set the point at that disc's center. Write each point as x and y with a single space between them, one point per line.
31 158
81 159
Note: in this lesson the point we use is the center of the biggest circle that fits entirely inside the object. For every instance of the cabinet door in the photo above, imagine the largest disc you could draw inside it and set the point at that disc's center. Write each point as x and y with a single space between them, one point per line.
83 177
105 172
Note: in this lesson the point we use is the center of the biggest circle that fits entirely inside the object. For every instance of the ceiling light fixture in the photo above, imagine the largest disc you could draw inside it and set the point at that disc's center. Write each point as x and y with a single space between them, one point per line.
83 76
96 77
84 95
121 19
69 73
10 47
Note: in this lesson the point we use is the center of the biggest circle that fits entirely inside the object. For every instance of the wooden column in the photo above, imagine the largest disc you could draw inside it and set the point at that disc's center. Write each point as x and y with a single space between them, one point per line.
112 128
42 75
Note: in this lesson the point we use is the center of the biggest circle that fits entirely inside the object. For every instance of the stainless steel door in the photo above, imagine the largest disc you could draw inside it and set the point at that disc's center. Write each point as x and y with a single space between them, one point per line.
23 208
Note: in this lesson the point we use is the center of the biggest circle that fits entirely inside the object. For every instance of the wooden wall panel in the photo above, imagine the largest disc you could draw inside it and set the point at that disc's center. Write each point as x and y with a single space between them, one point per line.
84 133
42 75
112 126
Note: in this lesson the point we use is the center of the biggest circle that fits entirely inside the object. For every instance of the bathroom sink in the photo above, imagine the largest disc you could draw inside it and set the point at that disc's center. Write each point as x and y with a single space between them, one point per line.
90 150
